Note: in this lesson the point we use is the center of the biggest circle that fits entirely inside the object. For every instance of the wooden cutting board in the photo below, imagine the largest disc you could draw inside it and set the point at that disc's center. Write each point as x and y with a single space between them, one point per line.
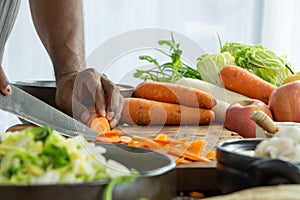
196 176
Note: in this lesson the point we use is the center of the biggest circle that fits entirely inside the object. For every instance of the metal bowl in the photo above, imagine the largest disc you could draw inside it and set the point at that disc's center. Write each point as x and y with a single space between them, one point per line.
45 90
156 181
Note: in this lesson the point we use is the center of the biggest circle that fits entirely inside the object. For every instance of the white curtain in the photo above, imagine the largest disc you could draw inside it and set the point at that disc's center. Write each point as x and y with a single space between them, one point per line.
281 28
200 20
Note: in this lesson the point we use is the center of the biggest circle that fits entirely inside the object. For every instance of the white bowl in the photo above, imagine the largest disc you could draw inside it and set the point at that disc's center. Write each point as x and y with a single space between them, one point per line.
260 133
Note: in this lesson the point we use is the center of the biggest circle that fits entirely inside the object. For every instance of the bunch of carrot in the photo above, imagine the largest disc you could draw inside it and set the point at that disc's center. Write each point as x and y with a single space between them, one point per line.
157 103
182 150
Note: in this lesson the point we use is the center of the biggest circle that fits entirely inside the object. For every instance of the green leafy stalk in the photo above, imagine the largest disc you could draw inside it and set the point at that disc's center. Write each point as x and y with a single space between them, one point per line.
170 71
108 192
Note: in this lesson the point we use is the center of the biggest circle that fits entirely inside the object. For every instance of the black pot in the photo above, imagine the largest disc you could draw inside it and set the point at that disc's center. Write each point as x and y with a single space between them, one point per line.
45 90
237 170
157 180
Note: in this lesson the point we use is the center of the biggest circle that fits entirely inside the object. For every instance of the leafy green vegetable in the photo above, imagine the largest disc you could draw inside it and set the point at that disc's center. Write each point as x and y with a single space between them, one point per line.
108 192
170 71
209 66
41 155
259 60
58 156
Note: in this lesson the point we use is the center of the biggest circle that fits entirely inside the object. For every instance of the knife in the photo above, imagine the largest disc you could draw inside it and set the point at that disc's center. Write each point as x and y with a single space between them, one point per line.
33 110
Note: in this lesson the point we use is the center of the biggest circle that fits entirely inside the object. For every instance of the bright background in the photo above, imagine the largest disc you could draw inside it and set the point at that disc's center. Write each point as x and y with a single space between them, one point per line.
270 22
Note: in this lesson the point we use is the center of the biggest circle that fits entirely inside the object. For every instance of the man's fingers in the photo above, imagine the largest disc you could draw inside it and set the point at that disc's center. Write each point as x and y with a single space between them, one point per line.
5 88
80 112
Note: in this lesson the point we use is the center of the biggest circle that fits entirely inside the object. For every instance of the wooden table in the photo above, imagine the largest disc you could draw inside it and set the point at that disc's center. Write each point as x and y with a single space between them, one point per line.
196 176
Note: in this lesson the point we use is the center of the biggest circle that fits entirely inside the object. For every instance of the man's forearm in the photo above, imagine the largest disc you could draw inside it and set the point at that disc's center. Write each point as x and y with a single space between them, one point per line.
59 24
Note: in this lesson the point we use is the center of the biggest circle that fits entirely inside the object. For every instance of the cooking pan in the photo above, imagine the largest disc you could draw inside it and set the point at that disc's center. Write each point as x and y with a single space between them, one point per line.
239 169
45 90
156 181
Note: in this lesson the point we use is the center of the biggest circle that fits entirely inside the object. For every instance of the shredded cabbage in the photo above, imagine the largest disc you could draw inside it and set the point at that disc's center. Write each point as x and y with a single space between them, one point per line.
40 155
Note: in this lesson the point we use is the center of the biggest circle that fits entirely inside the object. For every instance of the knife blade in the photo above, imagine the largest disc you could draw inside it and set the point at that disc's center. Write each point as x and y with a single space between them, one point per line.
32 109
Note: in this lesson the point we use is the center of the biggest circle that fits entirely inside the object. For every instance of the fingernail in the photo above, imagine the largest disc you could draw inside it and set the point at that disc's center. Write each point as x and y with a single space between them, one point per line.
113 123
102 113
110 115
7 90
85 117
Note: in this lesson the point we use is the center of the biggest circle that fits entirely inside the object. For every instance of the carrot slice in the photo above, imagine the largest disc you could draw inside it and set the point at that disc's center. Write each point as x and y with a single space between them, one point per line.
196 146
100 125
147 142
125 139
210 155
161 136
112 139
112 133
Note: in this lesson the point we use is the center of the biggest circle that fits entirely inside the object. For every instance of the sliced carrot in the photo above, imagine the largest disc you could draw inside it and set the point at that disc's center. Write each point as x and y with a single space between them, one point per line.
100 125
112 133
112 139
147 142
180 151
210 155
240 80
196 146
125 139
161 136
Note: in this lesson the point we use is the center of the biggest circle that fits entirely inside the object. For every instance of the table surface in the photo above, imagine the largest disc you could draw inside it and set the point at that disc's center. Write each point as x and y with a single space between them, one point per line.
196 176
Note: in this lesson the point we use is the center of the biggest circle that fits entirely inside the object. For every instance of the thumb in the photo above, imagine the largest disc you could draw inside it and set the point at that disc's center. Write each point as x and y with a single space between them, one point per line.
5 88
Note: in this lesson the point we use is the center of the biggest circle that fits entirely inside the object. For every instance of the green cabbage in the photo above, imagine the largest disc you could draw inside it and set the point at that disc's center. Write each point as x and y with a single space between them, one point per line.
209 66
259 60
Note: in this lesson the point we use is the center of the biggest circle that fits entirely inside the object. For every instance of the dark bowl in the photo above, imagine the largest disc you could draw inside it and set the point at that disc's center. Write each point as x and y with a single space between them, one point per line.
156 181
238 169
45 90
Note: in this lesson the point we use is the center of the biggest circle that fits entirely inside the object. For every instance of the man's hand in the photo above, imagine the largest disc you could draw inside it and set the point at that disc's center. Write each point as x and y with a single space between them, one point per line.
4 84
79 94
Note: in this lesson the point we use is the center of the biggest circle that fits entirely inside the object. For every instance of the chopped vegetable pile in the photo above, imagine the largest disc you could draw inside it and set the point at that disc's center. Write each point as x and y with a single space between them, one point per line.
181 150
40 155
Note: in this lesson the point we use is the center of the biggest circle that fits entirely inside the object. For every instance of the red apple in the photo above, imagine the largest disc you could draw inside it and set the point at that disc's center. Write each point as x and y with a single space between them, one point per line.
284 102
238 114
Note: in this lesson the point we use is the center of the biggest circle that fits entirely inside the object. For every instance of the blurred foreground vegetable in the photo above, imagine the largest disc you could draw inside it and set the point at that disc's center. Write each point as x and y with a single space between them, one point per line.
40 155
170 71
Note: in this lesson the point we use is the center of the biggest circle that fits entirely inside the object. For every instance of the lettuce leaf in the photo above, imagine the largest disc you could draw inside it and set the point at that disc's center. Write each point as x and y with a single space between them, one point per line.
259 60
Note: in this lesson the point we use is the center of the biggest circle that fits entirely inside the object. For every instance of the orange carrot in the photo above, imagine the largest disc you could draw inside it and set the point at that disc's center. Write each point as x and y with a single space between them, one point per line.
176 94
112 133
147 142
125 139
196 146
144 112
182 152
111 139
100 125
244 82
